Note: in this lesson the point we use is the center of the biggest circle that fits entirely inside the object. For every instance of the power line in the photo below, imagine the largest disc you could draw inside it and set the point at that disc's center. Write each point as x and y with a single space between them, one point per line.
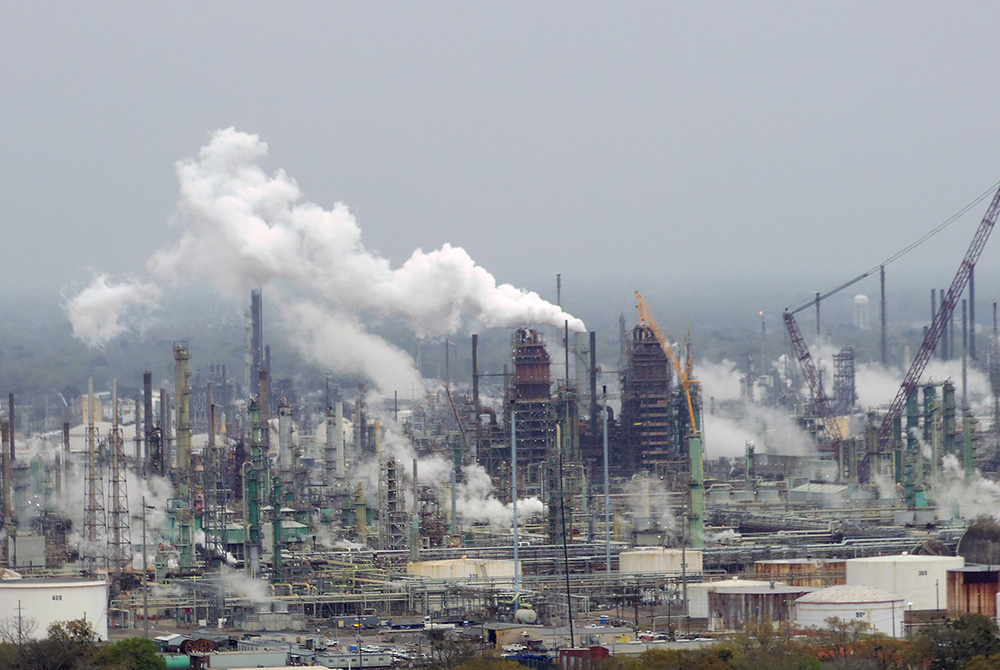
902 252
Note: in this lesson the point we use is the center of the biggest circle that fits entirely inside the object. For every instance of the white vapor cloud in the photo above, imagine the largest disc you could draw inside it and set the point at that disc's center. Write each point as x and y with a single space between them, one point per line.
241 228
105 309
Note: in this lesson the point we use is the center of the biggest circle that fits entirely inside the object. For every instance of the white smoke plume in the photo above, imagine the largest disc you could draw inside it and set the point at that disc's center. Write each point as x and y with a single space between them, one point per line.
649 501
105 309
718 380
475 499
242 228
477 502
877 385
770 429
727 433
958 500
339 342
237 583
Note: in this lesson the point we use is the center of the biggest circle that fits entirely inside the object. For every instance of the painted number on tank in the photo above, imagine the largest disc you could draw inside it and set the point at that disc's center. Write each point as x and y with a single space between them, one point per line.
57 597
921 573
859 615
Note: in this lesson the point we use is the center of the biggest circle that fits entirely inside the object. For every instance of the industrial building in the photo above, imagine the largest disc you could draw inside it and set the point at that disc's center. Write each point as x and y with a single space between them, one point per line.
262 506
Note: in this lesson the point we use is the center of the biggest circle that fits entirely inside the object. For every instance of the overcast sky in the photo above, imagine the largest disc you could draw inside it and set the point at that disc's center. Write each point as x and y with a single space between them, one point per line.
667 146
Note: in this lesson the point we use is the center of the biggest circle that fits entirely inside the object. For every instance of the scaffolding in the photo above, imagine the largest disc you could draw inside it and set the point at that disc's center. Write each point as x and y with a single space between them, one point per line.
649 437
844 388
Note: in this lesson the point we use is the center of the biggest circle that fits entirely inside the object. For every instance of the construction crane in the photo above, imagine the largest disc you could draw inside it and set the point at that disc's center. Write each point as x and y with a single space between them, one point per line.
941 320
822 402
683 373
696 498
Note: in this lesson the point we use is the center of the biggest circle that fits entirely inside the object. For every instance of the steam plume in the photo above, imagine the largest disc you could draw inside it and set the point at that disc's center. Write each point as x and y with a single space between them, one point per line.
242 228
105 309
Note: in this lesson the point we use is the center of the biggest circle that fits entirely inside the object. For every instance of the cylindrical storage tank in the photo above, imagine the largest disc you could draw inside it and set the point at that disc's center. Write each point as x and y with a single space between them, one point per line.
817 572
733 608
659 560
880 610
49 600
698 593
920 580
462 568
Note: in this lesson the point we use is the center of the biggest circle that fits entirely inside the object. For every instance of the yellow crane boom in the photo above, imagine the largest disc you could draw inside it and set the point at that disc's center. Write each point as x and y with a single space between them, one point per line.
683 372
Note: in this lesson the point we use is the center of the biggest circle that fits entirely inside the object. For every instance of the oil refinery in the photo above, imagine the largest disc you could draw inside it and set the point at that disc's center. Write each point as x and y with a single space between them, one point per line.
550 501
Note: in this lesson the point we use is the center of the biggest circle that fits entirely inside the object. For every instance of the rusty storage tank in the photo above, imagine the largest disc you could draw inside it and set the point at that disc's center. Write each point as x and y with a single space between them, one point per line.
697 593
818 572
973 590
733 608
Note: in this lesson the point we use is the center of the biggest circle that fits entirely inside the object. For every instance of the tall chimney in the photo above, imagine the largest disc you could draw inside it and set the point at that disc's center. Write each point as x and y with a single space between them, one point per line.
8 512
475 396
182 406
147 412
13 425
165 435
593 382
265 413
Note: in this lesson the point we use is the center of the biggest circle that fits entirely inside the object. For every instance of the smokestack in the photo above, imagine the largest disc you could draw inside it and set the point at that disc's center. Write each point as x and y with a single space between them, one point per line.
256 340
946 332
63 465
13 425
211 425
165 434
361 514
341 438
938 348
182 401
330 451
965 346
972 313
593 382
264 404
415 519
5 459
210 401
284 435
147 413
882 309
476 409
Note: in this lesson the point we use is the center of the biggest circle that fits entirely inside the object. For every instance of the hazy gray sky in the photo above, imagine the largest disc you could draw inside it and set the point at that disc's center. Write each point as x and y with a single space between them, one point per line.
660 145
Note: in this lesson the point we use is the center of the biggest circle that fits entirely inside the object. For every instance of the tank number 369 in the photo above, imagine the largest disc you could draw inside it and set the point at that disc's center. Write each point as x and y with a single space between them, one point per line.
921 573
57 597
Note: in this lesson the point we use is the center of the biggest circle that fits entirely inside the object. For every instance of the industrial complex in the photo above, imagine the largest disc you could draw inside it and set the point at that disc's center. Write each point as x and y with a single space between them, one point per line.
547 505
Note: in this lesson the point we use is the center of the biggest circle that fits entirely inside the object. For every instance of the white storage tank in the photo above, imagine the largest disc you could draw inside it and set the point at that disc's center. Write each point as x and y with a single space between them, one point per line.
49 600
698 593
462 568
880 610
920 580
659 560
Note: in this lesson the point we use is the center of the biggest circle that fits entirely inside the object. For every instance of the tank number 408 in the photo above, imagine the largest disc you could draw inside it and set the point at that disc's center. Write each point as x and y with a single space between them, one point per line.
57 597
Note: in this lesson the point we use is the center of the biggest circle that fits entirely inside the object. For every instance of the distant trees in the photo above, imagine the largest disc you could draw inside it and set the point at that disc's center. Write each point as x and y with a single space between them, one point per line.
72 645
969 641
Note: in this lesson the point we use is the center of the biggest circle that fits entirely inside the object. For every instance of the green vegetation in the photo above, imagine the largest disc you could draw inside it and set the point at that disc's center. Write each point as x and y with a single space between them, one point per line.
970 642
72 645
